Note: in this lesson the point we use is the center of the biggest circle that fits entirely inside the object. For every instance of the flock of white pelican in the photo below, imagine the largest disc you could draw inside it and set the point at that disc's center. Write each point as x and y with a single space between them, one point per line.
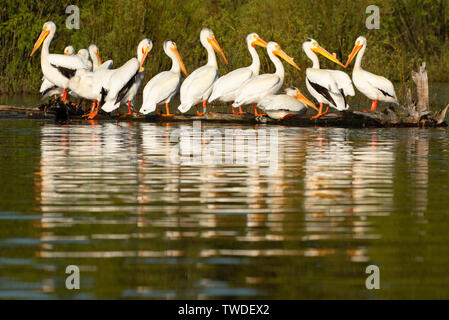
75 75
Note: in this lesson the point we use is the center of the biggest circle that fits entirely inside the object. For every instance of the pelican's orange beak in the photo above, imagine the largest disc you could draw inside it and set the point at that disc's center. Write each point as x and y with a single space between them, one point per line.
41 39
217 48
354 52
279 52
145 53
97 53
331 57
259 42
176 52
302 98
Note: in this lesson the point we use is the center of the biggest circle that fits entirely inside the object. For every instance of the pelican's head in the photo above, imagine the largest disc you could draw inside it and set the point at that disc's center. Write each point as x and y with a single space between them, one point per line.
83 53
171 50
207 38
295 93
313 46
143 49
274 48
253 40
359 44
48 28
69 51
94 52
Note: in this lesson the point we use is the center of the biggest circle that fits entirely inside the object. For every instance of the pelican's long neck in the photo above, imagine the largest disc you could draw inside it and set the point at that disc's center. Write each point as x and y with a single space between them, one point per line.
46 46
175 66
358 59
211 58
94 58
278 65
312 56
255 65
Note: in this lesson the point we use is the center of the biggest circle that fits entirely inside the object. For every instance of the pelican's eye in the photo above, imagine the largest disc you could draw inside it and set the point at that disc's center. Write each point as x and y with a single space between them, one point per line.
277 47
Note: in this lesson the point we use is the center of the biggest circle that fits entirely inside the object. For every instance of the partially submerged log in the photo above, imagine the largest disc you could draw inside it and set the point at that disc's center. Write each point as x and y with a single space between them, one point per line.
415 113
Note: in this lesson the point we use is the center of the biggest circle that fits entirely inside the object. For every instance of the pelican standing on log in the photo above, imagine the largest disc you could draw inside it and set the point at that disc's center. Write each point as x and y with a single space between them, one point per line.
281 106
227 87
57 68
327 86
197 87
126 80
374 87
47 88
257 88
163 86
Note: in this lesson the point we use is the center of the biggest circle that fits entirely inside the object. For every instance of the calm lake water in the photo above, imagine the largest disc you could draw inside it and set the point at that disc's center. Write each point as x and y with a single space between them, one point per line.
140 222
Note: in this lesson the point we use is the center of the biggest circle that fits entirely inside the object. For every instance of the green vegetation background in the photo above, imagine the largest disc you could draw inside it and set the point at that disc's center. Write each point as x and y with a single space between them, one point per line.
410 31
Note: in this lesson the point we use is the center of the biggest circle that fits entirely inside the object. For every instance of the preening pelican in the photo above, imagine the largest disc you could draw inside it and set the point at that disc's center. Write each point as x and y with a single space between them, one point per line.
227 87
57 68
126 80
197 87
373 86
282 105
327 86
163 86
257 88
84 55
47 88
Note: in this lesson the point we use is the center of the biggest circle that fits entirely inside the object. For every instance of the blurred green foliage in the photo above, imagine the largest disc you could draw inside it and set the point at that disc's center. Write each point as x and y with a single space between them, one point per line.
410 31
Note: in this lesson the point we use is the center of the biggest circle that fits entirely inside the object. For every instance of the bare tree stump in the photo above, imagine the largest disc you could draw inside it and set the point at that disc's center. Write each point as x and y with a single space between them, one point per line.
422 88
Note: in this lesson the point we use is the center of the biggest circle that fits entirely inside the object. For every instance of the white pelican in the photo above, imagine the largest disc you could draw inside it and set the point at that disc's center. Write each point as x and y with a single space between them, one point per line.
373 86
84 55
163 86
282 105
327 86
227 87
255 89
57 68
126 80
197 87
47 88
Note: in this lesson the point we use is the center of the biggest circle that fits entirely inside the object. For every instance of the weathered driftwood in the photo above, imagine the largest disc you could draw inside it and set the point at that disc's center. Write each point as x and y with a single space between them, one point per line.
411 114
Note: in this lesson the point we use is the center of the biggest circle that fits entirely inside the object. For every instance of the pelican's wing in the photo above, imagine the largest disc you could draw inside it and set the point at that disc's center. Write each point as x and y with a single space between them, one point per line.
325 84
67 65
257 86
380 83
46 86
122 79
197 83
230 83
281 102
159 89
343 82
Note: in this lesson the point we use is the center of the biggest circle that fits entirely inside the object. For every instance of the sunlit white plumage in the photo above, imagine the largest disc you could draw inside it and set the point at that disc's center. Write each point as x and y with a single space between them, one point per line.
373 86
327 86
197 87
162 87
57 68
255 89
280 105
126 78
47 88
227 87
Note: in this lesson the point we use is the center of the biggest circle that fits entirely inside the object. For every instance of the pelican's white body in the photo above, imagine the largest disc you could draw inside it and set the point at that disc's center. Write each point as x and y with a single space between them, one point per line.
228 86
197 87
257 88
336 84
372 86
163 86
278 106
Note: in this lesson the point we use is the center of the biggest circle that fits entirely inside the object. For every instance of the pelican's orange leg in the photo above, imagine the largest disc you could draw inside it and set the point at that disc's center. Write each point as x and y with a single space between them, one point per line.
129 109
233 110
167 109
374 105
204 109
94 114
91 110
64 95
256 114
320 112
